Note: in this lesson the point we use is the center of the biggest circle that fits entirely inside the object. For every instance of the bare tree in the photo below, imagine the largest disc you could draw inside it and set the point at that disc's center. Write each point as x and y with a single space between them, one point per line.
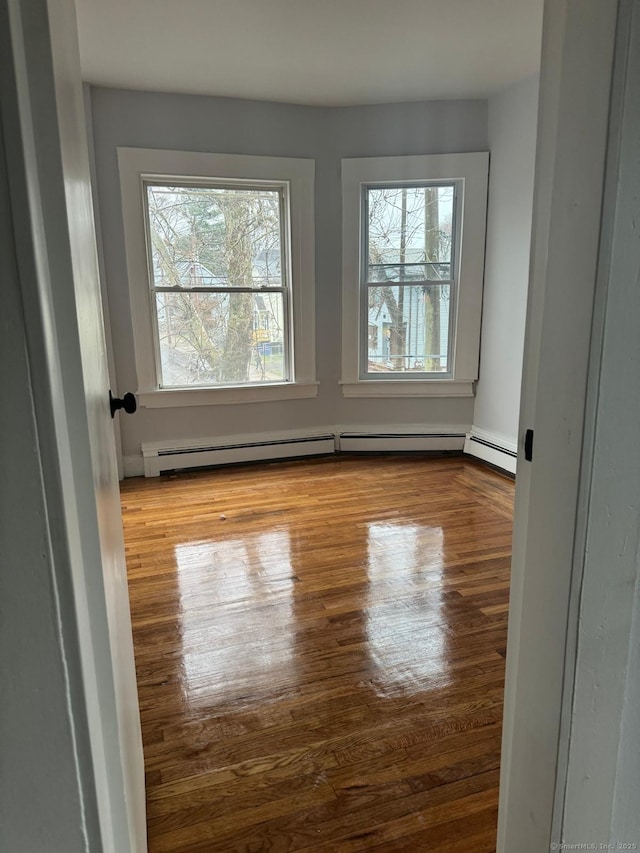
238 340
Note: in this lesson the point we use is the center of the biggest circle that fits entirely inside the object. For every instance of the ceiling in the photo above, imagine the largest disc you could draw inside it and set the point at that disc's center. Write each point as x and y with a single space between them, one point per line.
321 52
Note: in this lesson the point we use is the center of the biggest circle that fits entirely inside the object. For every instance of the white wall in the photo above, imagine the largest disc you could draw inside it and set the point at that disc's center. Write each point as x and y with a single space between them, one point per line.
513 117
224 125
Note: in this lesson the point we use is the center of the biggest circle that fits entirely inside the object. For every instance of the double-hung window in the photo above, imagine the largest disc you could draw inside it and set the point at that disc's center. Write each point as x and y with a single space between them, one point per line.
413 263
407 275
220 261
218 269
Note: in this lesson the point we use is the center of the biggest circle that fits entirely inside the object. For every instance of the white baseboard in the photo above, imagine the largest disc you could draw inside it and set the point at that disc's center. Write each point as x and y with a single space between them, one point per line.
226 450
132 466
388 439
492 447
187 453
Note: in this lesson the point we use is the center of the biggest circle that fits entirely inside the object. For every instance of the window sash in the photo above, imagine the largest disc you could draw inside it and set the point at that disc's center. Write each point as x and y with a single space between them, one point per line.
281 187
286 361
409 373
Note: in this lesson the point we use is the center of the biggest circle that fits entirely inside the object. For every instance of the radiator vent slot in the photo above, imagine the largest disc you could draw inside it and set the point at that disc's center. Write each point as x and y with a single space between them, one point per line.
493 446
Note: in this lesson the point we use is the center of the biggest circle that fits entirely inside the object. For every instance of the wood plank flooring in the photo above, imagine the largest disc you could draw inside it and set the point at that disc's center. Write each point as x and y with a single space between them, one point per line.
320 653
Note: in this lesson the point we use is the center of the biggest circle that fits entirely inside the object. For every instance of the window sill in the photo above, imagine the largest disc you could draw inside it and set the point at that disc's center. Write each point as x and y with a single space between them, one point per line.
408 388
176 397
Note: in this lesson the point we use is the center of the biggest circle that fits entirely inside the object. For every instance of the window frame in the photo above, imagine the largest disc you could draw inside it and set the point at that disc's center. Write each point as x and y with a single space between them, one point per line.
141 167
469 174
284 223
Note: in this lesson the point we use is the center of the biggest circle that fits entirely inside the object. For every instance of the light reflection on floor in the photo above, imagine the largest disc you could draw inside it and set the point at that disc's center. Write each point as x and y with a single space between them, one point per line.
323 665
407 644
232 588
227 632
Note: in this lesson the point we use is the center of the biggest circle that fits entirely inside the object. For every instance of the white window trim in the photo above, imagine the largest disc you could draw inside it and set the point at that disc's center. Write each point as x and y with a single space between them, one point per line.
471 172
136 164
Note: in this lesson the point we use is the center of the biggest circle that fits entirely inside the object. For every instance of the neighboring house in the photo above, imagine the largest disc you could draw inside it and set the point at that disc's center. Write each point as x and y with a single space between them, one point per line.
266 268
268 323
419 353
425 338
195 274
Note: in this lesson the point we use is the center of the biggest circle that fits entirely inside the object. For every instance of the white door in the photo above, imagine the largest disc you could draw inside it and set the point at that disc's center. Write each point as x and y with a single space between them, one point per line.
599 800
574 121
44 129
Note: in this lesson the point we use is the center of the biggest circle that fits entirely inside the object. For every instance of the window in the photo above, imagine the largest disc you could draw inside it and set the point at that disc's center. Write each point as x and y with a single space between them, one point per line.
407 277
218 269
220 263
412 287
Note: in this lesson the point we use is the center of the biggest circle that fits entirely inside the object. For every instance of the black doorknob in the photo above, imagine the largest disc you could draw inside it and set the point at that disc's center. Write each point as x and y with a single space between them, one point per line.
128 403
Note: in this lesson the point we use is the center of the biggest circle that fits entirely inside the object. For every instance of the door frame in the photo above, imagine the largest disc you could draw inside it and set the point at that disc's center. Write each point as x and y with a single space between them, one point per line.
561 363
39 78
572 144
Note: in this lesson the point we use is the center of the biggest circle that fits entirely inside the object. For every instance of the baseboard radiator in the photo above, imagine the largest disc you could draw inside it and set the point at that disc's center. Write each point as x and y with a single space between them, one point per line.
493 448
158 459
363 442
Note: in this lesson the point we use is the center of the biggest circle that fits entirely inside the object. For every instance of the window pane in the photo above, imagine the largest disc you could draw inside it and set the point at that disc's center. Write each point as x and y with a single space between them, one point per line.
214 237
412 328
410 225
220 338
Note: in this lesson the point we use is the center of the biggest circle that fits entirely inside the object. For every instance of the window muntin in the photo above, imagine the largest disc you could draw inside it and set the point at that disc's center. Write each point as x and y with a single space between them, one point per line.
219 275
407 279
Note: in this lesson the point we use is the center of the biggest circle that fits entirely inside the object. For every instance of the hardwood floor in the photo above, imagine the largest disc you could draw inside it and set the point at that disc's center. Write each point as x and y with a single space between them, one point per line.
320 653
